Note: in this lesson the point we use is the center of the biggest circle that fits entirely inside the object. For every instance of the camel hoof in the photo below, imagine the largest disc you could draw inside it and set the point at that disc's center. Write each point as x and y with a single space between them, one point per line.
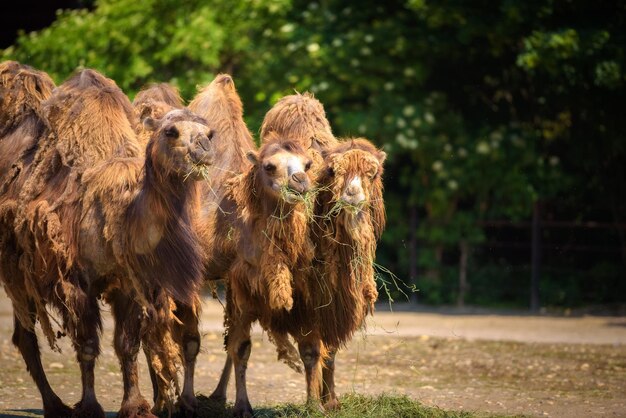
243 411
57 410
136 409
187 406
88 410
332 405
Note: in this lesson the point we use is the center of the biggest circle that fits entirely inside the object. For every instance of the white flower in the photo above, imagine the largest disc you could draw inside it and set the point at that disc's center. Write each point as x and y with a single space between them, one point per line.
400 123
437 166
287 27
482 147
409 72
408 111
554 160
453 185
429 118
366 51
313 47
337 42
462 152
368 38
388 86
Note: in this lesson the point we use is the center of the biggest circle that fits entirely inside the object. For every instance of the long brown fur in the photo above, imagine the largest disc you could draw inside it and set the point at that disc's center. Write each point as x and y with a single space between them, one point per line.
87 191
264 225
347 246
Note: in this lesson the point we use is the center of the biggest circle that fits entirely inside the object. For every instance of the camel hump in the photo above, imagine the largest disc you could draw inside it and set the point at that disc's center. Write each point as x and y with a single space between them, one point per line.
22 90
301 117
91 120
156 100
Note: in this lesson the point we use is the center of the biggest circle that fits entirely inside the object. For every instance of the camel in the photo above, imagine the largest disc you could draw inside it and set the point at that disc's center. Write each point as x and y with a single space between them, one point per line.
221 106
95 215
350 218
273 250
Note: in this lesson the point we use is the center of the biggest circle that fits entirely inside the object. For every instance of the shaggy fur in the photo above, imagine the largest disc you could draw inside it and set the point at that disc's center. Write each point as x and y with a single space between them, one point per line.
301 118
92 213
334 297
274 253
221 106
271 236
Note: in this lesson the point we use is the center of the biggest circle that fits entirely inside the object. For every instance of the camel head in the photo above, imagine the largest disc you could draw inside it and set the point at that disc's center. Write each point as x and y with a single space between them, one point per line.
181 143
352 181
281 166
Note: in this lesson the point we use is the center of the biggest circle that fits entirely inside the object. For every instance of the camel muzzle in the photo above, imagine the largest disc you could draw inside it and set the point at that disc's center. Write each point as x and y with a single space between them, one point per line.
299 182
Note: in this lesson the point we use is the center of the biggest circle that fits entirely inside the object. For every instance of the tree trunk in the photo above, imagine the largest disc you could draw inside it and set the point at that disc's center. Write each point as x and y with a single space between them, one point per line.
463 285
536 258
413 252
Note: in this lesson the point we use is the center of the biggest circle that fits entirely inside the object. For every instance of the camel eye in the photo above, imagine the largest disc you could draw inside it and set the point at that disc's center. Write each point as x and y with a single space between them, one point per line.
307 166
210 135
330 172
171 132
270 168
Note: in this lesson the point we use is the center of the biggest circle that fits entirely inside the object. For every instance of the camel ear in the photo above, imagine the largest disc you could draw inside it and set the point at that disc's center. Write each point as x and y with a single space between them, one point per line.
150 124
381 155
252 157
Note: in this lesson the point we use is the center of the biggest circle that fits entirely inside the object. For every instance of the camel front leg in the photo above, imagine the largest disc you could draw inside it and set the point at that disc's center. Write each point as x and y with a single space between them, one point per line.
329 398
239 347
187 336
310 353
26 342
129 328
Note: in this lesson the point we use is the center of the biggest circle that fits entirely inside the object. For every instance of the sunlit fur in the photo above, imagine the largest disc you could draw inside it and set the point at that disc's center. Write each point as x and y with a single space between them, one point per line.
274 254
271 233
301 118
346 240
88 194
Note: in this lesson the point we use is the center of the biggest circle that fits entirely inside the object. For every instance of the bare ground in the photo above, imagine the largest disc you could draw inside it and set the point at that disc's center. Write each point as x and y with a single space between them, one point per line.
507 364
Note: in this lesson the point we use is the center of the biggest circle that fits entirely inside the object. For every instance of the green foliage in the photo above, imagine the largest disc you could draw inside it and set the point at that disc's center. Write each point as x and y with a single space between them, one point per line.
482 107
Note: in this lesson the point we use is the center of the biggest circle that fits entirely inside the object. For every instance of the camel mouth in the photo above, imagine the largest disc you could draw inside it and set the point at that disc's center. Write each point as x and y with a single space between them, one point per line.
199 171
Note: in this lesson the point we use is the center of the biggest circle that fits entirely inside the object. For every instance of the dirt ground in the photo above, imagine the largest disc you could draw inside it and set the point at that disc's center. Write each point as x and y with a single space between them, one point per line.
473 361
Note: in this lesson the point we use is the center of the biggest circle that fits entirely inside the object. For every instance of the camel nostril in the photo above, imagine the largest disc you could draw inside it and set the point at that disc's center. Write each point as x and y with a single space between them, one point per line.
298 177
351 191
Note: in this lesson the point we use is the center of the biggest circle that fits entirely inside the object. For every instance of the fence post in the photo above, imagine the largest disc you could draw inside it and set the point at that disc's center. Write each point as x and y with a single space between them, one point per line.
413 250
536 257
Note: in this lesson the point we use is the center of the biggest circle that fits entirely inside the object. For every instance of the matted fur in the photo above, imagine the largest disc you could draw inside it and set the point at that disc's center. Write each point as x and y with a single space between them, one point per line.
87 191
22 90
272 233
346 242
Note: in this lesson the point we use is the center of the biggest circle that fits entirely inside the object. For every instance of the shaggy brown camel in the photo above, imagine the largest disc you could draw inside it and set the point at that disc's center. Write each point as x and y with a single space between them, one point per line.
350 218
273 251
98 216
221 106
